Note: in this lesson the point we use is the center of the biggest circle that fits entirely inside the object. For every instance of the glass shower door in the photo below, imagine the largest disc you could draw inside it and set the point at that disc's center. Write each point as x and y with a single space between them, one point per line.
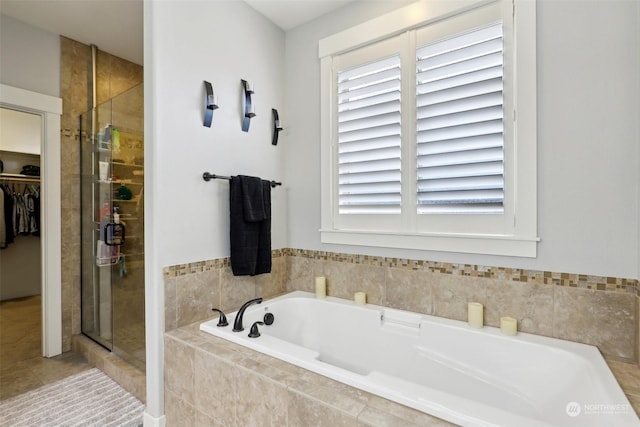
112 174
128 175
98 259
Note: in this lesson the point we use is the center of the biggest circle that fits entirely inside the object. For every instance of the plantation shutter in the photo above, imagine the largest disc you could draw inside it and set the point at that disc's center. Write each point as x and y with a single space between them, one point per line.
369 138
459 107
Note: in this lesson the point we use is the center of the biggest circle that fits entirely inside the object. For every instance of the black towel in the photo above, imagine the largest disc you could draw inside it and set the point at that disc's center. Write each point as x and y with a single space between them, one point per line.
254 209
250 208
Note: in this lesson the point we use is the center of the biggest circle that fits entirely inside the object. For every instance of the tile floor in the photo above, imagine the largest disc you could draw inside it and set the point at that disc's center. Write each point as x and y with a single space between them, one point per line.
21 366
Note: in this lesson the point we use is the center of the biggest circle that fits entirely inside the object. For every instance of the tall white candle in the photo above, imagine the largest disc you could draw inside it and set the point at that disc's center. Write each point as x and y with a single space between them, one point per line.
360 298
508 325
475 314
321 287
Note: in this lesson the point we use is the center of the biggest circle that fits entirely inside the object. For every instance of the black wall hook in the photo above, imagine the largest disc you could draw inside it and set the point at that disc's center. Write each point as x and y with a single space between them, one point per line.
210 104
276 126
249 109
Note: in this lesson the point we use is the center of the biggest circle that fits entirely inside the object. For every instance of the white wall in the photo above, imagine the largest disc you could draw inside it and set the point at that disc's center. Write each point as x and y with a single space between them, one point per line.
187 219
588 131
588 137
222 42
29 57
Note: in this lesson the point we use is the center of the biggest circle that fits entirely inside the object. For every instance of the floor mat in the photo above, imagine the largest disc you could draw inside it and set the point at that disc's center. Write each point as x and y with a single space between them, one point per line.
89 398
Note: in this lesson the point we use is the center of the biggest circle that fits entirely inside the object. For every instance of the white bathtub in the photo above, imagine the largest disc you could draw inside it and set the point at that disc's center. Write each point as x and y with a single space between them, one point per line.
471 377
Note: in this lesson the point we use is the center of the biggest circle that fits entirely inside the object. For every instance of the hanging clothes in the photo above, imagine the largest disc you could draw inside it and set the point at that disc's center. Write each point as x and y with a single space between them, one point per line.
21 220
8 214
36 211
30 208
19 212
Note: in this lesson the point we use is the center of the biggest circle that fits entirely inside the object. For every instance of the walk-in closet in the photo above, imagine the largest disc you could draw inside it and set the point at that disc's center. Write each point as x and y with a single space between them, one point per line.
20 243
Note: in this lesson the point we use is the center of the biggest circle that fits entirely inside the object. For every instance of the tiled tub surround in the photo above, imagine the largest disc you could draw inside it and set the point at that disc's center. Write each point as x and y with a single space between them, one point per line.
203 373
192 290
601 311
433 364
212 382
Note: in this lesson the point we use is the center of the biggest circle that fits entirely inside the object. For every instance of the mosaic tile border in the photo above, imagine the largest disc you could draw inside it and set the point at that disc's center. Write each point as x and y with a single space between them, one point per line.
572 280
201 266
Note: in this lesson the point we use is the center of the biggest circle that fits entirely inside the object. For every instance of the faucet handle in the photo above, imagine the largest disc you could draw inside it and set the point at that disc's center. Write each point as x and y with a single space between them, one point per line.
222 320
268 319
255 333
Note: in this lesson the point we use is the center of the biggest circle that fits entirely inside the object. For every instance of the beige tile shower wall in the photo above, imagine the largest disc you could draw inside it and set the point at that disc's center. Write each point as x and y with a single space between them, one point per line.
75 66
115 76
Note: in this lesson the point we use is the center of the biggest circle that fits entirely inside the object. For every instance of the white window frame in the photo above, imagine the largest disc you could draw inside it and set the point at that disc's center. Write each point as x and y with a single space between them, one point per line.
516 232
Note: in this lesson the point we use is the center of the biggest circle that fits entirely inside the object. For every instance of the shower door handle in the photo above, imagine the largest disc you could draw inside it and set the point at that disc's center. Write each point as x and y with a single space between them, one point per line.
114 234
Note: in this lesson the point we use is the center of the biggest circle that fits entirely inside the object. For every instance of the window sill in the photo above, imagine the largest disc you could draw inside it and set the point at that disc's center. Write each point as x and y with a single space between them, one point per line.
505 245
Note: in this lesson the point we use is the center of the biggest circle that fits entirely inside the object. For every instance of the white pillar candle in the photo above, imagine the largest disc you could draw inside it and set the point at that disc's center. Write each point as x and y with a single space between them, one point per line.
321 287
475 314
360 298
508 325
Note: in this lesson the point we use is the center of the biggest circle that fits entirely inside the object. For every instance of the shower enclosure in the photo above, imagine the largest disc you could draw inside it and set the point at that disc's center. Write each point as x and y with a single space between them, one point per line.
112 212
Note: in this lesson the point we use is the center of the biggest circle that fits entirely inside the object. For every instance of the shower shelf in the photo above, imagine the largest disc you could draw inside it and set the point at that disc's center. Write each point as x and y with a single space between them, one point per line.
108 261
132 165
127 182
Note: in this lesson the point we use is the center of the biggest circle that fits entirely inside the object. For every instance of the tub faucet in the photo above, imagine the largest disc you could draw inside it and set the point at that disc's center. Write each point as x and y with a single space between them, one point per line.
237 324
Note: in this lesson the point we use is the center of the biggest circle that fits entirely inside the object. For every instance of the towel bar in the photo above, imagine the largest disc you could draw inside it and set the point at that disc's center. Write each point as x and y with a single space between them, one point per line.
209 176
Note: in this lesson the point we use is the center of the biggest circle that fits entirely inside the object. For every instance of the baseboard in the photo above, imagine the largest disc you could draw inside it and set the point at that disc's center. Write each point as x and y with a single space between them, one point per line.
151 421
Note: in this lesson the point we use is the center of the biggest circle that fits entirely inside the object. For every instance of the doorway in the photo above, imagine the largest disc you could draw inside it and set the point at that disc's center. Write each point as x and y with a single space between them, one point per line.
49 109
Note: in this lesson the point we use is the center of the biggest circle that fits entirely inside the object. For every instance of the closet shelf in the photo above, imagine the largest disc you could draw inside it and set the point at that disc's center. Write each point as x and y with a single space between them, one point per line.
16 177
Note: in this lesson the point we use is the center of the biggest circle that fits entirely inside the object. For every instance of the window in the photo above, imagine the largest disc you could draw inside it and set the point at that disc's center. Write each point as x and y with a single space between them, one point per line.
421 147
459 117
369 141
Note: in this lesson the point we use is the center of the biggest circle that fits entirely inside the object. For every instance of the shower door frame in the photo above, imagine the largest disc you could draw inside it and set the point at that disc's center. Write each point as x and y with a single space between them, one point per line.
50 109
